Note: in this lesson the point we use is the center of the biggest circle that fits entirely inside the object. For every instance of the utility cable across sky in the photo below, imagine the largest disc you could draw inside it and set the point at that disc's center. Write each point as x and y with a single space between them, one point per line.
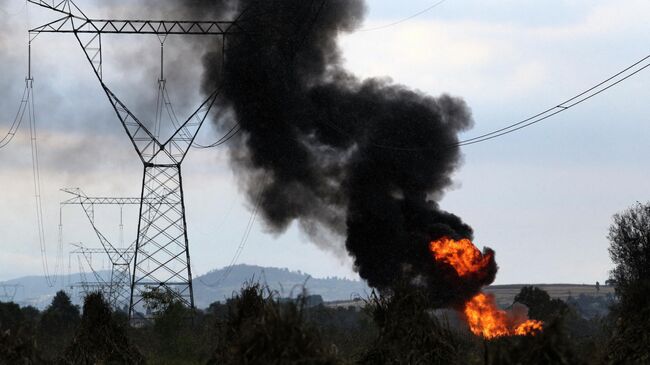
580 98
426 10
607 84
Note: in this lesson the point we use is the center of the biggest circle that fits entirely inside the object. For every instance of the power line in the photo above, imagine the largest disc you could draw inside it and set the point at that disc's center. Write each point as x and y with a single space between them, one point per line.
164 99
597 89
18 118
227 137
565 105
49 277
580 98
242 243
217 227
431 7
244 240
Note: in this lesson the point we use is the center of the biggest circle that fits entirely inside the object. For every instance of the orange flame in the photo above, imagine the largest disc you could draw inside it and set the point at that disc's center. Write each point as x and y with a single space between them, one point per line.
485 319
530 327
481 312
462 255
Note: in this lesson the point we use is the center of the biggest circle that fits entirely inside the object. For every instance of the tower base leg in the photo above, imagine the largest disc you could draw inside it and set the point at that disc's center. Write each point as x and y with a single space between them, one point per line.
161 270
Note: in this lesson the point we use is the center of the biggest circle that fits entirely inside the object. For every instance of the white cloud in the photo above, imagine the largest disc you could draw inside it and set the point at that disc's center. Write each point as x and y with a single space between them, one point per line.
494 61
614 17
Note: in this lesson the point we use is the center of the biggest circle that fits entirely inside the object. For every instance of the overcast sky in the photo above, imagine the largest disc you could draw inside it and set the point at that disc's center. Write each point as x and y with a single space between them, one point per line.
542 198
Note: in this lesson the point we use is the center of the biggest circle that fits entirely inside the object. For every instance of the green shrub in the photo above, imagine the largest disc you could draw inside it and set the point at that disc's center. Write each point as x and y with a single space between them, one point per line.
258 329
100 338
408 331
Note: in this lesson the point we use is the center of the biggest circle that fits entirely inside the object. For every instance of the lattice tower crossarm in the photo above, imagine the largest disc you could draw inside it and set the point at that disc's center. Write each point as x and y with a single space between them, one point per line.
116 255
162 257
8 292
88 287
117 289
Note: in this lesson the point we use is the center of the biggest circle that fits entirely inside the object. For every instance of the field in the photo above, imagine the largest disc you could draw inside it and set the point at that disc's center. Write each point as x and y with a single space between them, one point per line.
505 294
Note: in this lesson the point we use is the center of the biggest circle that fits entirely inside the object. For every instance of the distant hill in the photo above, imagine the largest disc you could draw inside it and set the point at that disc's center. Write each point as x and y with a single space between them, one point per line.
216 285
285 282
34 290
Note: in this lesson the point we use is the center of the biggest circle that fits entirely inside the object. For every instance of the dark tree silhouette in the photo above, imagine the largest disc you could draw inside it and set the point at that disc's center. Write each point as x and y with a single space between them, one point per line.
11 317
16 336
540 305
258 329
408 332
57 325
577 335
177 332
100 339
551 346
629 249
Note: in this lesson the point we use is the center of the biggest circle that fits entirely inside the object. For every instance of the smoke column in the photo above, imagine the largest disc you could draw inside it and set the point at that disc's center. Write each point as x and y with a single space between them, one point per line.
356 161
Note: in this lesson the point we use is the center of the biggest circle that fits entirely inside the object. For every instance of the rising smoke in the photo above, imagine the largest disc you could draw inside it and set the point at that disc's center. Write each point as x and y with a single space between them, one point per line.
356 161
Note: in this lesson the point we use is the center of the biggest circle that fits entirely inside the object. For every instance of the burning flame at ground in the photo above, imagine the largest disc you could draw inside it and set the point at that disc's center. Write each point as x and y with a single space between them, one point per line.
485 319
481 312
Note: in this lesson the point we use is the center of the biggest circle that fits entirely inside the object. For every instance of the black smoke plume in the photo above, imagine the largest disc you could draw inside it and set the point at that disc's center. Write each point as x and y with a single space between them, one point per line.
359 161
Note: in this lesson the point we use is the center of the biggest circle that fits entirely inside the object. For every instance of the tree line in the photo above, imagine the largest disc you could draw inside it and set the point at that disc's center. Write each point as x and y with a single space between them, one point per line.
256 327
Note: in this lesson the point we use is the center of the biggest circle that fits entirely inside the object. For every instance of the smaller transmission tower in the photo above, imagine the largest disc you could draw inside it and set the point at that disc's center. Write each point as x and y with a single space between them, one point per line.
8 292
116 289
85 286
118 293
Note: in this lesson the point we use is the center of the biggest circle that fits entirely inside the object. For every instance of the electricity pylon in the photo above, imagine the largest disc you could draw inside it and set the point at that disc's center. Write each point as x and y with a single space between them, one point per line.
118 293
100 284
116 290
162 256
8 292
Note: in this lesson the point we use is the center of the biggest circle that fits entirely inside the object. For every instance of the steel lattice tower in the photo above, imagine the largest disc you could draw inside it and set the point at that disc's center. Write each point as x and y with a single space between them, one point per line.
100 285
162 256
8 292
118 288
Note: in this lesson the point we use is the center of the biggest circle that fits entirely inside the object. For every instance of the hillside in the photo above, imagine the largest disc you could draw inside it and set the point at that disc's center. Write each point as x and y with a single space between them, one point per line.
217 285
214 286
285 282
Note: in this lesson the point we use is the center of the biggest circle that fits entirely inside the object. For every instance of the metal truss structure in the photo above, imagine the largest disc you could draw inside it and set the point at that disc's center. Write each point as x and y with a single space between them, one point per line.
117 289
8 292
98 26
161 257
75 21
85 286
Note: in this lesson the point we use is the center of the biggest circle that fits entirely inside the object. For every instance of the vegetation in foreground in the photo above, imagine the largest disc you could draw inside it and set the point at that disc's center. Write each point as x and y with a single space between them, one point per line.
256 327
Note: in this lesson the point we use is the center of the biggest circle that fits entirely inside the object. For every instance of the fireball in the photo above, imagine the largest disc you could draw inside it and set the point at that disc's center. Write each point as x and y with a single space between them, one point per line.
481 312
